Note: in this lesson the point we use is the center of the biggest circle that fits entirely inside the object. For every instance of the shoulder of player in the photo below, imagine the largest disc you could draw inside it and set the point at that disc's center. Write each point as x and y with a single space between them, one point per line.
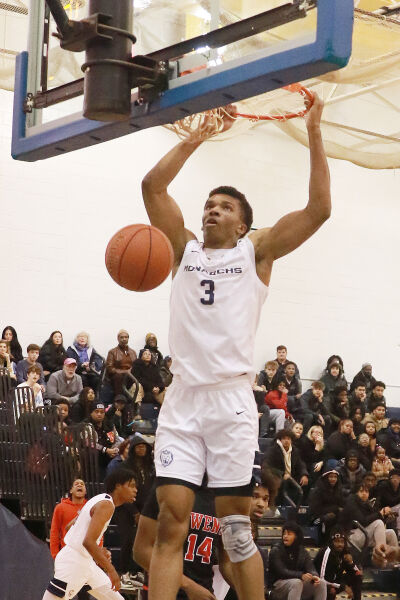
102 507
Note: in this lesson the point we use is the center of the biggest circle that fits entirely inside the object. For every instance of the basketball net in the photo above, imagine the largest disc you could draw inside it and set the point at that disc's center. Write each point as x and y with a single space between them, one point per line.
290 103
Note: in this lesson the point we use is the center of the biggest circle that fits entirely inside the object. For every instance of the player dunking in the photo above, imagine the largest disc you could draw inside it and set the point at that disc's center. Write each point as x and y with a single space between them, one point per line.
79 562
208 421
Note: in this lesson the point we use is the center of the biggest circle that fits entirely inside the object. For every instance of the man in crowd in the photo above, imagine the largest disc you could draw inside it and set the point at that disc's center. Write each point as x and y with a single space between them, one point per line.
282 360
357 399
31 359
65 384
377 416
364 376
106 436
119 361
376 395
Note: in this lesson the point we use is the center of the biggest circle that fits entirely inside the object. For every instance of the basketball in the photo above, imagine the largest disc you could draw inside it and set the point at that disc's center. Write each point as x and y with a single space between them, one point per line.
139 257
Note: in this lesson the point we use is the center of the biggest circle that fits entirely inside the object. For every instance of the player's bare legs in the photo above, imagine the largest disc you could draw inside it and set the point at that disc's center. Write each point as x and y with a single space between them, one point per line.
166 567
248 574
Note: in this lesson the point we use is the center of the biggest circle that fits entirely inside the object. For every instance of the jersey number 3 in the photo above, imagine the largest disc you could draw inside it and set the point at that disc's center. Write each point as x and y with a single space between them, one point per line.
204 550
209 286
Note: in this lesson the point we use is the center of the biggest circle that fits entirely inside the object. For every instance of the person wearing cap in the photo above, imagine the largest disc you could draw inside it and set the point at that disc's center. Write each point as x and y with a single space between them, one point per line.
336 566
364 376
326 501
151 344
119 361
117 415
106 436
333 378
292 574
65 384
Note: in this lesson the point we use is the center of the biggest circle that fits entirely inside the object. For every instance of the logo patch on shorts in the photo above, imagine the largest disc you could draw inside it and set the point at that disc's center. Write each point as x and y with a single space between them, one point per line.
166 458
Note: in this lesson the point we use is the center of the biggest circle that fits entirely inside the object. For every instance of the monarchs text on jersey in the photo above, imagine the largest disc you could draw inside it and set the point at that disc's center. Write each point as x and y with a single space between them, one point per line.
216 301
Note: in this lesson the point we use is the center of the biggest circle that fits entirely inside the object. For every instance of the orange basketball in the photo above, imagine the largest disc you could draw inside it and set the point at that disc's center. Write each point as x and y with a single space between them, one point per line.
139 257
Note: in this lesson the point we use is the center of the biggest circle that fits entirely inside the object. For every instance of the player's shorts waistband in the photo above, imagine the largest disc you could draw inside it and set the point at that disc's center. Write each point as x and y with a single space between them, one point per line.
240 381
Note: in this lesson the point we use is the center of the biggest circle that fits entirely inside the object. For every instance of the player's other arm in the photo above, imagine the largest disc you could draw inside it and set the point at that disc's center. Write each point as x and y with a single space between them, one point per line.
101 513
295 228
163 211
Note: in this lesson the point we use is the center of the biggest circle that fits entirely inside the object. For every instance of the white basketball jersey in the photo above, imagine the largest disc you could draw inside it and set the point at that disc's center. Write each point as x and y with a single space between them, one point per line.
215 308
75 536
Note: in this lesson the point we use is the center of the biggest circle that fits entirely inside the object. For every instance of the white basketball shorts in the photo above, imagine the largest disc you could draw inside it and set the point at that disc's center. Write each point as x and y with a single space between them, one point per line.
212 429
72 571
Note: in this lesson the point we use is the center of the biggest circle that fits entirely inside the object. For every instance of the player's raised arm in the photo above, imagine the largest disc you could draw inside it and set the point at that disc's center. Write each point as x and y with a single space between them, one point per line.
295 228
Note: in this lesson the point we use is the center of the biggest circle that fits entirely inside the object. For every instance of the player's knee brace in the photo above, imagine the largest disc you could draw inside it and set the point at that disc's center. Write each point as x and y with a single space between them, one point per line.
237 538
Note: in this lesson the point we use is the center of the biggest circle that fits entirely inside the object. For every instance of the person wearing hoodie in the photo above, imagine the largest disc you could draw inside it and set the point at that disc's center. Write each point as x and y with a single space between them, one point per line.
292 574
333 378
285 458
388 496
338 405
64 515
315 411
140 461
351 473
336 566
340 442
89 362
358 508
391 443
326 501
151 344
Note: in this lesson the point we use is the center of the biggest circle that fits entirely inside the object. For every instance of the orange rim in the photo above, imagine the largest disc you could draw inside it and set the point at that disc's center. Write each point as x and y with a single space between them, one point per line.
295 88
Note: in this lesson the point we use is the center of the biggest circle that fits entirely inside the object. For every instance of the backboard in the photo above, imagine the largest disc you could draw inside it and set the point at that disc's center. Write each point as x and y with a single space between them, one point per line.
252 49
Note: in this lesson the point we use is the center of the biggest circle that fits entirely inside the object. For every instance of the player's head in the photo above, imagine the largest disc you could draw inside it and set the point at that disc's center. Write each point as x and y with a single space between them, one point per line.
121 484
78 489
226 212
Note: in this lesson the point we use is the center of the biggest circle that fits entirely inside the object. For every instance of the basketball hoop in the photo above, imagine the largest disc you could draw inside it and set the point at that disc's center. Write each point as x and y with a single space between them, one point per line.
294 101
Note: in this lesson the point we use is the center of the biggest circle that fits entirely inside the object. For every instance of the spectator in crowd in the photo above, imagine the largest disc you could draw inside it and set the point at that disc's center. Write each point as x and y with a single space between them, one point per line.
381 465
376 396
377 416
282 360
292 574
63 413
292 383
10 335
340 442
151 344
331 359
357 417
338 405
165 371
357 398
365 377
370 481
117 415
332 379
391 442
32 381
106 436
89 362
370 430
65 384
52 354
358 508
388 496
119 361
298 436
24 364
326 501
120 458
149 376
336 566
140 461
64 515
351 473
277 399
5 361
264 414
315 411
313 451
364 451
285 458
80 411
267 377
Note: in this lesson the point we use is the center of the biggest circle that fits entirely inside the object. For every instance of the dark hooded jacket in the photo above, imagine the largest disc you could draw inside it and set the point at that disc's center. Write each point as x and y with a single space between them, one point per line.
143 468
338 444
351 479
369 382
289 562
357 510
275 460
386 495
149 376
392 443
326 498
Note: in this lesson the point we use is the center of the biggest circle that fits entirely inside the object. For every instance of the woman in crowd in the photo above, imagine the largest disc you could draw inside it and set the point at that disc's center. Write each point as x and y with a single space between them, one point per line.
140 461
81 409
381 465
340 442
313 451
370 430
149 376
365 453
10 335
357 416
277 398
89 362
151 344
52 354
5 360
